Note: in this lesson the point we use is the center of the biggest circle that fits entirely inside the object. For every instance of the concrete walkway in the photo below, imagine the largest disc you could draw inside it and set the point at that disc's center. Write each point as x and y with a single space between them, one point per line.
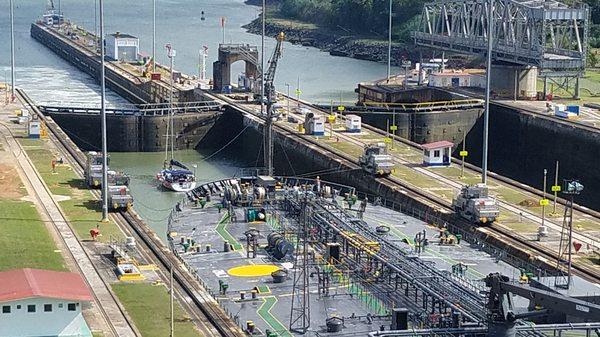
105 301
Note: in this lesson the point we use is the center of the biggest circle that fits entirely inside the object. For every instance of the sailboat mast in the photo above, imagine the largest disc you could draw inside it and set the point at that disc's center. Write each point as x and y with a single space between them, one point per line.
172 56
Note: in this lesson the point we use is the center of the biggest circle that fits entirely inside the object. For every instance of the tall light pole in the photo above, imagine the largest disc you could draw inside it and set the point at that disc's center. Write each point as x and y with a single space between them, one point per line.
103 118
288 97
262 59
389 65
12 52
486 112
154 36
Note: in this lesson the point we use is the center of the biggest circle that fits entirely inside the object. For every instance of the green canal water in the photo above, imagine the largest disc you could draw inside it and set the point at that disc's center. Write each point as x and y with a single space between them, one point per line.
153 202
50 80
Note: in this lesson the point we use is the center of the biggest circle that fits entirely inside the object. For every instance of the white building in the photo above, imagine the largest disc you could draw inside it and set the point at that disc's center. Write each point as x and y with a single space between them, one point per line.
122 47
37 302
437 153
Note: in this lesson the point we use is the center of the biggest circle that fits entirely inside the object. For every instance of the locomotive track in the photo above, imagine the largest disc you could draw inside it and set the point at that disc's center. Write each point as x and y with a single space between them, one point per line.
532 249
209 316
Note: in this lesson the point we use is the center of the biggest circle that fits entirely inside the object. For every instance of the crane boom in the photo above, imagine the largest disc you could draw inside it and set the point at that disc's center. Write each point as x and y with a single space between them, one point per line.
269 99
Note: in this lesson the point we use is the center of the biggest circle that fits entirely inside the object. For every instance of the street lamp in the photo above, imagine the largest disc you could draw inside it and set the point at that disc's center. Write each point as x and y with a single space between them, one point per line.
103 119
486 112
12 52
154 36
262 59
389 65
288 97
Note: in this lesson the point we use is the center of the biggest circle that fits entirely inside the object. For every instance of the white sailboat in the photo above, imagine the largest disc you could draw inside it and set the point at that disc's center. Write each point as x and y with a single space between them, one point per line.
174 176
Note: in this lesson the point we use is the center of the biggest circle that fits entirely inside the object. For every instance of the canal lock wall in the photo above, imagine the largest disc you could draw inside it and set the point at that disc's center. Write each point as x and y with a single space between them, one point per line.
523 144
306 157
135 133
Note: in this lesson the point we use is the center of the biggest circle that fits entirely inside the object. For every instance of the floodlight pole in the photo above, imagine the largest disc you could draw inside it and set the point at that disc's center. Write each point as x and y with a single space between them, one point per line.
486 112
103 119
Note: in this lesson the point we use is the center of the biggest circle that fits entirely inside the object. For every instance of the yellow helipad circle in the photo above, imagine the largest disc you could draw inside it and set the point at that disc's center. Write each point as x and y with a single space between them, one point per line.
253 270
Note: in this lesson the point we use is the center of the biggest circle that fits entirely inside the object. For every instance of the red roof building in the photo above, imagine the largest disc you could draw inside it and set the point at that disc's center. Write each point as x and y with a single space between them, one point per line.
437 153
31 283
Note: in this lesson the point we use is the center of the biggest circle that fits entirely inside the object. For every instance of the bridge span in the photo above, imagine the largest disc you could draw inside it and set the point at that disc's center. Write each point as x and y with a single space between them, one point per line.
548 38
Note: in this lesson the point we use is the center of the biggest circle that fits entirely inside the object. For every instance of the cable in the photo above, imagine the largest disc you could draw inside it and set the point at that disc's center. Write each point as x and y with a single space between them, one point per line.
288 159
226 145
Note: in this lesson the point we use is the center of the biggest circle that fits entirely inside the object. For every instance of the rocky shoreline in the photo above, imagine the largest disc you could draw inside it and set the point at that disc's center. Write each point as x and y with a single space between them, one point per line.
336 44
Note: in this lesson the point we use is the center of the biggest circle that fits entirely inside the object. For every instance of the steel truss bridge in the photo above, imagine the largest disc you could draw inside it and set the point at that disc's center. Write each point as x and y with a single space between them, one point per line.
548 35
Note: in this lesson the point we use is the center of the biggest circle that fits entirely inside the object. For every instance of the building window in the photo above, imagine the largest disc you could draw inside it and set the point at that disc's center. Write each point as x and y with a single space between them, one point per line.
60 305
6 309
71 307
31 308
436 153
47 307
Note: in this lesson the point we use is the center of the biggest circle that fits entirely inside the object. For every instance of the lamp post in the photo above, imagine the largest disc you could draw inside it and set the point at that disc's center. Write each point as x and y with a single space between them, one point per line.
12 52
486 112
103 119
262 59
154 36
389 65
542 230
288 95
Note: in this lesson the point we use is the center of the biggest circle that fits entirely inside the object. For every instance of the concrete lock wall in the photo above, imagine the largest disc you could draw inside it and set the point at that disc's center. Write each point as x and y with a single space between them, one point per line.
136 91
522 145
135 133
427 127
504 78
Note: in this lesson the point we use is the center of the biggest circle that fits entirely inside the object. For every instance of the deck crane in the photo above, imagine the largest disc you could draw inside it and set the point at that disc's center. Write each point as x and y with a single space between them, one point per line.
269 99
503 316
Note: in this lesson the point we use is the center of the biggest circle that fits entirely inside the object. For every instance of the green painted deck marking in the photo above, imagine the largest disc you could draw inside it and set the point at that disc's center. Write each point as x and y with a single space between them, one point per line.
264 311
263 289
225 235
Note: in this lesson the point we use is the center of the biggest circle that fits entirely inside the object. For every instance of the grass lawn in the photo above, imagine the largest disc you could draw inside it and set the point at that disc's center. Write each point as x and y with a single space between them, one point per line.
25 241
82 209
148 306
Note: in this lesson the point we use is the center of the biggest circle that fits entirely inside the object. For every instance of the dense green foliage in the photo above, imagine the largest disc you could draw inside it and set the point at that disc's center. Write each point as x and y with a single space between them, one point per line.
370 16
365 16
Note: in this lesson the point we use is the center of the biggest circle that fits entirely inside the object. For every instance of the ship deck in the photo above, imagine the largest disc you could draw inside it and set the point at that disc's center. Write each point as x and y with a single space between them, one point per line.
209 229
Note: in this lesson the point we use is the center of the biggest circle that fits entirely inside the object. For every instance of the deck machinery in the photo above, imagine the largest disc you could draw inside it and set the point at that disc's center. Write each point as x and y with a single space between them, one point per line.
344 254
119 196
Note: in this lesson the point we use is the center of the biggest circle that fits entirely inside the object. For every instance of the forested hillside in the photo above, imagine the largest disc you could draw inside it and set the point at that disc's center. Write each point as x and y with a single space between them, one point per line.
369 17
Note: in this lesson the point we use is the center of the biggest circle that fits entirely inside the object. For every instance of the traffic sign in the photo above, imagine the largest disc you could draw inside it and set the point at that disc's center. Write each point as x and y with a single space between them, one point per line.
544 202
387 140
464 153
556 188
394 127
341 108
331 118
298 91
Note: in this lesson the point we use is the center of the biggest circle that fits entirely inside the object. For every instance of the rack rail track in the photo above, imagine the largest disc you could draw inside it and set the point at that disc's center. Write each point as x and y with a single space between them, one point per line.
549 259
203 306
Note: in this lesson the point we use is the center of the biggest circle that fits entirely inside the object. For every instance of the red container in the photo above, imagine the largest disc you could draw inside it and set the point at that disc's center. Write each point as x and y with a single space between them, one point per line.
156 76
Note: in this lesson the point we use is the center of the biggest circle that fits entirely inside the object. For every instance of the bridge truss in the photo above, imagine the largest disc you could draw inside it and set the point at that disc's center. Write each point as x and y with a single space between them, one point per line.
544 34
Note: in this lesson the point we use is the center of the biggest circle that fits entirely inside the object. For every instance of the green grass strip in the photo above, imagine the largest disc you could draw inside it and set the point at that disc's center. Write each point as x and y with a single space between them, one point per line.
148 306
25 241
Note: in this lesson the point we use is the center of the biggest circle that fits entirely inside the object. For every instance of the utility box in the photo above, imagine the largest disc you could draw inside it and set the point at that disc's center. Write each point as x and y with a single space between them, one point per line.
23 116
34 128
353 123
314 125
